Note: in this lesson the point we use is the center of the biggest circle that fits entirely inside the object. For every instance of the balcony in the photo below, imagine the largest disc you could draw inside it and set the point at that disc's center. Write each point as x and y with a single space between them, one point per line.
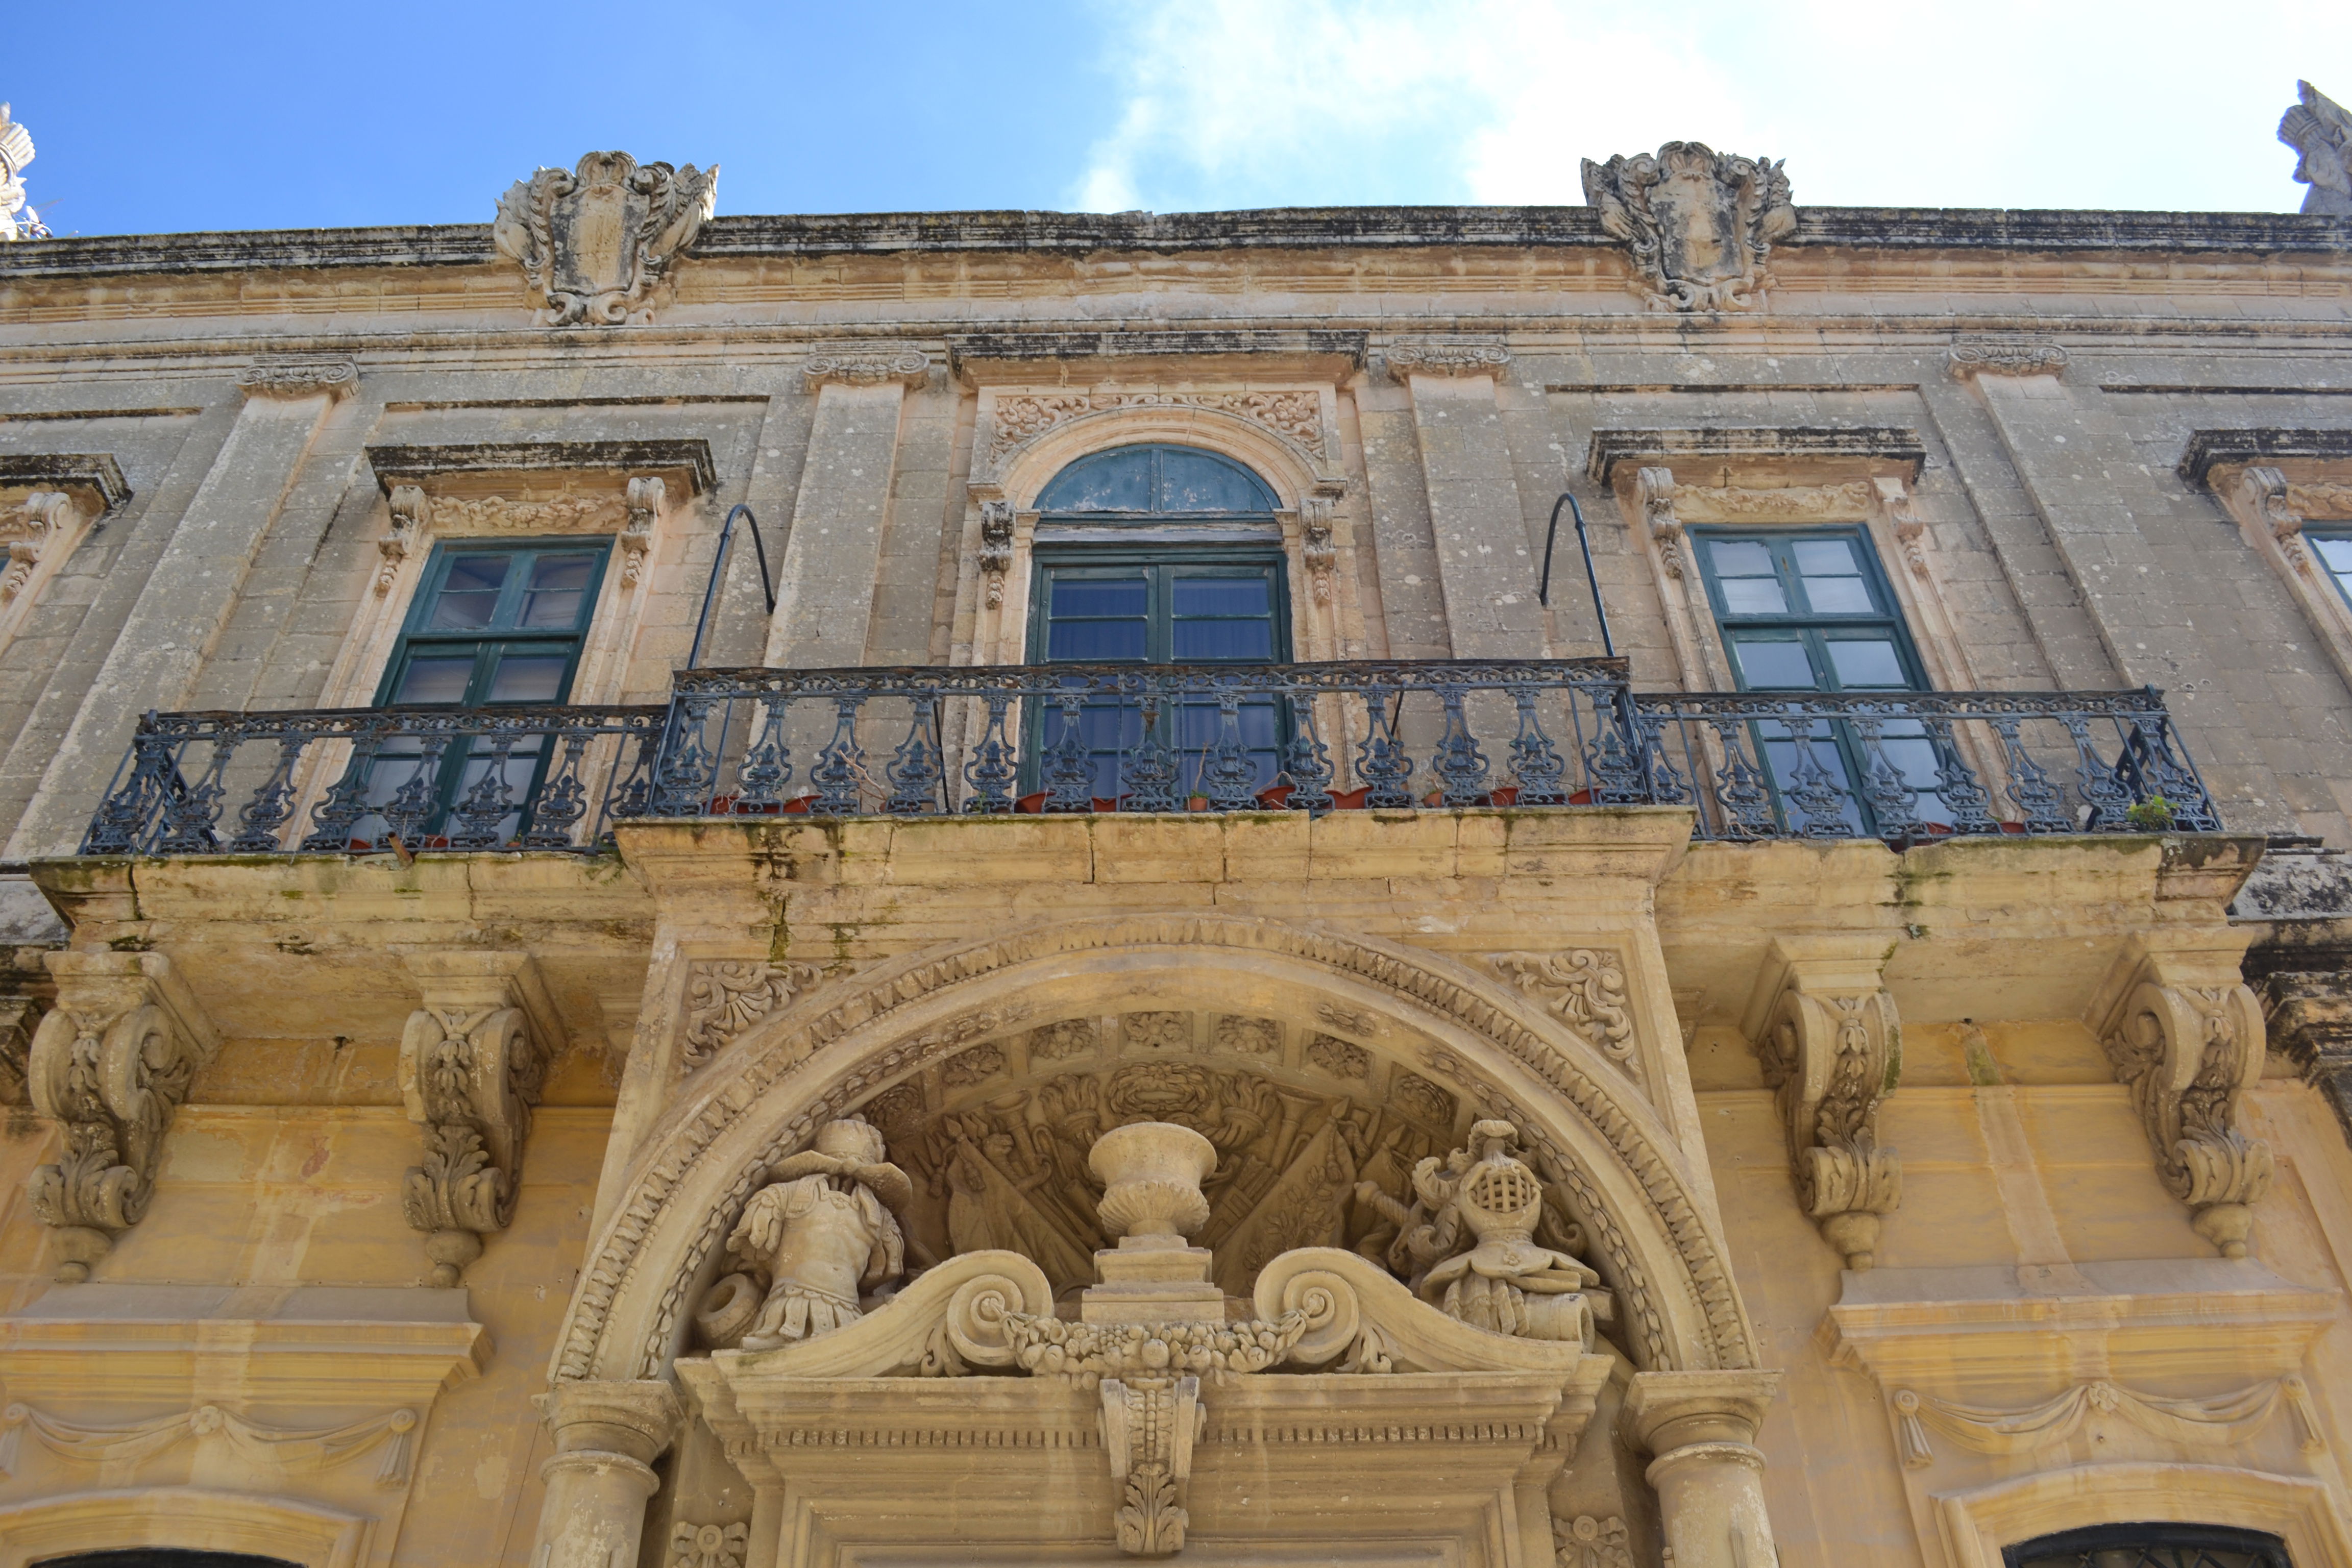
1902 767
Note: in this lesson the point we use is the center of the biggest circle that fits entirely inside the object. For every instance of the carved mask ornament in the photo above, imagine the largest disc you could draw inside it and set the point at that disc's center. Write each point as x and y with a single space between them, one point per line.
1700 222
595 240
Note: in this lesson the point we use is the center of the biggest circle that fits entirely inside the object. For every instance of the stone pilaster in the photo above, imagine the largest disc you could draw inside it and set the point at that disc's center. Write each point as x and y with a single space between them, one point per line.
607 1436
1700 1428
110 1064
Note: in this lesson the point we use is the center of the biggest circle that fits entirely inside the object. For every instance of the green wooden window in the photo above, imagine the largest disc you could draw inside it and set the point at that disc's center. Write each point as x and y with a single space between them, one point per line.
1812 611
493 625
2333 548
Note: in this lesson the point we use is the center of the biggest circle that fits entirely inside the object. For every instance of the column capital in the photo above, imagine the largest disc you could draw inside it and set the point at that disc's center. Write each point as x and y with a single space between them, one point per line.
864 364
637 1419
1671 1410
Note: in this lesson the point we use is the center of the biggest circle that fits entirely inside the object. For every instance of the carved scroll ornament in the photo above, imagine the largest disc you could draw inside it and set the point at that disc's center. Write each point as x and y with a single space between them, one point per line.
726 996
593 240
471 1068
1831 1060
1974 354
1021 418
336 378
864 364
1584 987
2187 1053
1445 356
1700 224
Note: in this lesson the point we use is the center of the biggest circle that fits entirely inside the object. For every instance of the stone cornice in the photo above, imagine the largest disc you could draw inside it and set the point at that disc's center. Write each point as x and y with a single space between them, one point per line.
55 470
408 465
1900 229
1612 450
969 354
2210 450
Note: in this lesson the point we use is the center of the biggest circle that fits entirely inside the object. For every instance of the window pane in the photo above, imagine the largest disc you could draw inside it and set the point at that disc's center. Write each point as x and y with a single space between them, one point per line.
2335 553
1840 595
1753 596
437 679
1774 665
469 593
529 678
1109 481
1198 481
1221 596
557 591
1825 557
1224 639
1739 558
1095 640
1083 597
1868 664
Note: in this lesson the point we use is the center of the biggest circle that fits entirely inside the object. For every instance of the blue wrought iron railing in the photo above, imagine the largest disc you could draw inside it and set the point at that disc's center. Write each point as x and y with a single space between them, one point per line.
1904 767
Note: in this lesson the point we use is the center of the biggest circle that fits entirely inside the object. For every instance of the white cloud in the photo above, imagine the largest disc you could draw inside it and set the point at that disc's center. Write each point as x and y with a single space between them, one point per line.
2157 103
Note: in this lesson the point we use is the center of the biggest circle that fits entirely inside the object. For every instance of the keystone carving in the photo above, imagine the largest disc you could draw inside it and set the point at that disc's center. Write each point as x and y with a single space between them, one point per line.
1832 1052
2321 131
2188 1042
1974 354
110 1063
995 547
472 1061
28 530
1445 356
724 997
864 364
644 501
337 378
1700 224
594 241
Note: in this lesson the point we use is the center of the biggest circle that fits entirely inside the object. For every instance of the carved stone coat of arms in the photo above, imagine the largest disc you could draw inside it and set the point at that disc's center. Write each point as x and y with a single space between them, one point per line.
1700 222
593 240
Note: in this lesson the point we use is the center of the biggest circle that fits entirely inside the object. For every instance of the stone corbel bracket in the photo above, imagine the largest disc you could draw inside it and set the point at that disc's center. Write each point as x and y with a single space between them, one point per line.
472 1061
864 364
1824 1028
1892 498
110 1063
644 499
1653 494
1984 353
335 379
995 547
2185 1034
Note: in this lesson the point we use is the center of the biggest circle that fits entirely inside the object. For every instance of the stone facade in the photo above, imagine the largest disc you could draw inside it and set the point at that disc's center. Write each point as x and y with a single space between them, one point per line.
1487 1181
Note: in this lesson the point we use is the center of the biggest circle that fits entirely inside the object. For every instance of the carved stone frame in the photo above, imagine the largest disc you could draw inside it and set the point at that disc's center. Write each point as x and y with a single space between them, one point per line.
1976 1524
287 1529
2270 483
49 504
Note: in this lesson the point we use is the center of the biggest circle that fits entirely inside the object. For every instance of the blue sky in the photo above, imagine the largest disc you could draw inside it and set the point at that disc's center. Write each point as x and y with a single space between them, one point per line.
151 118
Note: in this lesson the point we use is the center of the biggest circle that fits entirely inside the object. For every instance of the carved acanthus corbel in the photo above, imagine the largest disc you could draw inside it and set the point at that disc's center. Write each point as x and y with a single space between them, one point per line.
1824 1028
995 547
1654 490
472 1061
111 1062
644 503
2186 1036
1315 547
28 530
1892 498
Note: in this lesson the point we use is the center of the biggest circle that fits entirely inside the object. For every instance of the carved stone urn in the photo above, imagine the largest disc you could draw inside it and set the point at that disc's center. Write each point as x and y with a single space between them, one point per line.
1152 1174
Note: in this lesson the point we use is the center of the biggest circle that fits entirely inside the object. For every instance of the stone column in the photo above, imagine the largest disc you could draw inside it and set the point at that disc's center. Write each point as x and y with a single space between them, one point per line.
192 592
1708 1472
824 595
1482 564
607 1436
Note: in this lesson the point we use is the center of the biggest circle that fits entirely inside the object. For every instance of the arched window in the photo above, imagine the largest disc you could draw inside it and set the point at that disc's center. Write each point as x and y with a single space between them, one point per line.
2151 1546
161 1557
1160 555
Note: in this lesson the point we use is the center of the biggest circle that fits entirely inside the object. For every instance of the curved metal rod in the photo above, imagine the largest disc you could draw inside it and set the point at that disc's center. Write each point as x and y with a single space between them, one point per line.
718 567
1543 589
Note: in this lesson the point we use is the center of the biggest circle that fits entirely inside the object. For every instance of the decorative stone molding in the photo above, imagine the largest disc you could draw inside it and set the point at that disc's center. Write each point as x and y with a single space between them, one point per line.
1709 448
2230 1419
1445 356
2307 1016
726 996
1020 417
864 364
336 378
995 547
1591 1540
1654 493
1700 224
1978 353
644 501
28 530
1892 499
687 460
1823 1026
472 1061
1781 504
707 1545
1584 987
2265 494
412 518
2320 131
1701 1427
1316 545
110 1062
594 241
2185 1036
282 1449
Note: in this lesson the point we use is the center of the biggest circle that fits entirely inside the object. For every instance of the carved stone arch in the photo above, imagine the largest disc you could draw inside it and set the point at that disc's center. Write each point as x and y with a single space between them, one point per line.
274 1529
1586 1127
1310 487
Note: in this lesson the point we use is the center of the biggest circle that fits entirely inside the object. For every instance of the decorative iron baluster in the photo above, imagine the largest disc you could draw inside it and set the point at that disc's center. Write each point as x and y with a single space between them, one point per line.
2103 788
767 766
631 793
689 765
1227 773
2163 774
1536 765
2040 798
1894 803
1459 764
1307 762
994 767
1069 773
125 815
260 818
332 819
1148 771
491 798
1381 759
916 769
1741 791
562 800
413 805
190 812
1956 784
841 765
1815 791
